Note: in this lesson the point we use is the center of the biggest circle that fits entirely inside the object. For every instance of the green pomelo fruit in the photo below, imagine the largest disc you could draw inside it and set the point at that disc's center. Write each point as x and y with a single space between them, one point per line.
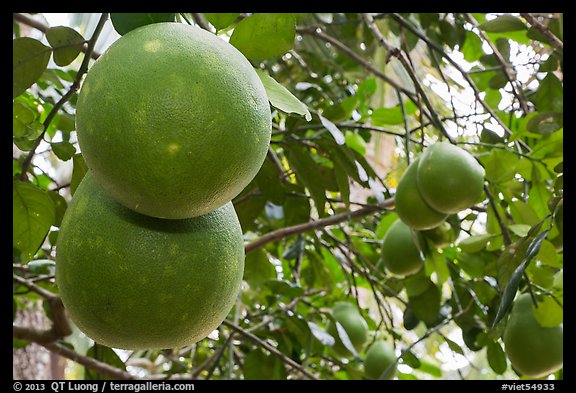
355 326
533 350
173 121
132 281
400 253
443 235
379 358
449 178
411 207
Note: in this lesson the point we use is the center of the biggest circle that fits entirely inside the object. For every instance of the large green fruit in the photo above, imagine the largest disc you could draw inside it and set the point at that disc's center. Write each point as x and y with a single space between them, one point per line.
410 206
533 350
355 326
379 358
449 178
173 121
400 253
135 282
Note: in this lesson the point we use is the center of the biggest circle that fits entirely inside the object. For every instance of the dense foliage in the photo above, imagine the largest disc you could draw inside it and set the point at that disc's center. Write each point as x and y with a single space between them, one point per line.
355 99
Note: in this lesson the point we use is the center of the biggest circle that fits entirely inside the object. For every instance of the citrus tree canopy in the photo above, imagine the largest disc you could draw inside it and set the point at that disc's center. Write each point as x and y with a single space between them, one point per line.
288 196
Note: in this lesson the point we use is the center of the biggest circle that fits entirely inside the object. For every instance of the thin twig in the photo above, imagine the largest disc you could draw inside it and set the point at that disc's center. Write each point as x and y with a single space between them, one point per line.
311 225
60 326
75 86
271 349
407 66
553 40
201 21
38 25
505 234
506 67
471 83
87 362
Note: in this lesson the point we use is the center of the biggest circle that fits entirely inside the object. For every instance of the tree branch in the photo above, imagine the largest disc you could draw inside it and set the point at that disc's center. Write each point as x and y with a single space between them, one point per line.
26 20
507 68
311 225
396 52
87 362
271 349
60 326
554 41
471 83
75 86
316 32
201 21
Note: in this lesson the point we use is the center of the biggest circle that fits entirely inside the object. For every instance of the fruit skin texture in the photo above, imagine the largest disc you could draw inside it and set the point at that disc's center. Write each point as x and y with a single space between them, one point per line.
136 282
449 178
173 121
533 350
355 326
378 358
410 206
400 254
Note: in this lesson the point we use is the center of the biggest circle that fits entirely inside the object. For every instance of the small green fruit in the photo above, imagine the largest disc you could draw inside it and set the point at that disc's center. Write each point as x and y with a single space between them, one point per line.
380 358
400 253
449 178
347 315
410 206
533 350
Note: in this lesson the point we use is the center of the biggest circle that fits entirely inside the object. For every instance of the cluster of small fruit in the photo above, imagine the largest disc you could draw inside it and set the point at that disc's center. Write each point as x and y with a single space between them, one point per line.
380 362
443 181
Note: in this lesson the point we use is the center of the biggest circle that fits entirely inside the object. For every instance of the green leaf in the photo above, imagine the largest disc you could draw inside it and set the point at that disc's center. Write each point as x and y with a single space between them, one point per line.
60 205
512 284
264 35
356 142
548 313
285 288
268 181
426 305
261 366
430 367
281 98
126 22
63 150
333 130
320 334
384 224
519 229
453 346
503 24
545 122
29 60
475 243
472 48
78 171
496 357
387 116
549 96
221 20
410 359
307 172
66 43
32 216
24 123
42 266
105 355
258 269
